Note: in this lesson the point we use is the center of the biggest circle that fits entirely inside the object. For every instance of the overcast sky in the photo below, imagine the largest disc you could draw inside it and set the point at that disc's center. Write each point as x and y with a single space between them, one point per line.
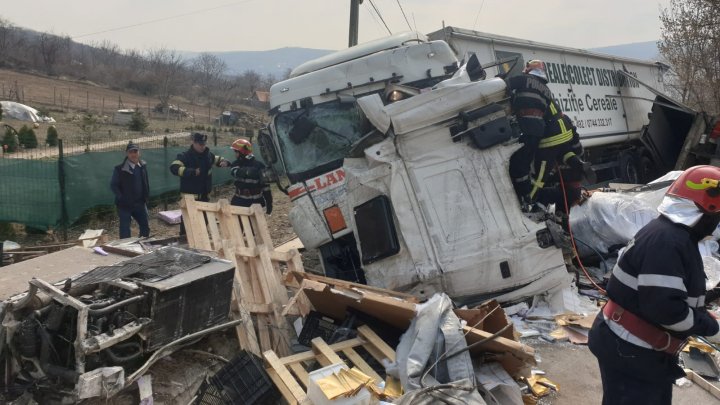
226 25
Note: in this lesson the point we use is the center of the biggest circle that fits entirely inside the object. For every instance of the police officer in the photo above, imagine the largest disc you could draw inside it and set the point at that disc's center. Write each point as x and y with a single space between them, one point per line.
131 187
194 167
250 185
657 295
547 132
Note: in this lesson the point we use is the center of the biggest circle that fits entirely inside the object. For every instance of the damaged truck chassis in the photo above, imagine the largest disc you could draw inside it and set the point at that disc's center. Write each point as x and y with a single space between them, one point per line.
65 343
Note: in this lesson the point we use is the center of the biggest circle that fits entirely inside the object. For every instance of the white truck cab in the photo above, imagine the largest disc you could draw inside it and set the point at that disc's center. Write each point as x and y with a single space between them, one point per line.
407 193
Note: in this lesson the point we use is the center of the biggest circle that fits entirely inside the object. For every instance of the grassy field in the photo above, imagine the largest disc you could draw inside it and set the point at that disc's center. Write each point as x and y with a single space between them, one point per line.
67 100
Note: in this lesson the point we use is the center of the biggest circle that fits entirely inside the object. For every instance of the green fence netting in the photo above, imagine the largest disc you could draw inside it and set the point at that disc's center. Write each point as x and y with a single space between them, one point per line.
30 191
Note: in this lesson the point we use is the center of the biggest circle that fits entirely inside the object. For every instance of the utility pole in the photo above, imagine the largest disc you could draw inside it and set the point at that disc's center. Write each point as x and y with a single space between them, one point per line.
354 18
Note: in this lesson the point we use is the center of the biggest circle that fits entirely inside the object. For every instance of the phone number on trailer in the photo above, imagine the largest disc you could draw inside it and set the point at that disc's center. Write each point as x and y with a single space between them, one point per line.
594 122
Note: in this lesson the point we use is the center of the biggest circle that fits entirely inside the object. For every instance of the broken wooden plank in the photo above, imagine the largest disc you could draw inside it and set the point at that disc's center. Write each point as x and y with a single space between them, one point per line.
703 383
285 380
290 245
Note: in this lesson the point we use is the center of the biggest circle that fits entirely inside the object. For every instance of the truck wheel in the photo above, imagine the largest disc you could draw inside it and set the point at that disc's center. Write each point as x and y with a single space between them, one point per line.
629 168
648 171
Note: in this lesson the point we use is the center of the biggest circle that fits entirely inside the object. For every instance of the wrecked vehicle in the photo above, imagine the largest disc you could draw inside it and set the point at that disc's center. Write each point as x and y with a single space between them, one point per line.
398 173
413 195
97 333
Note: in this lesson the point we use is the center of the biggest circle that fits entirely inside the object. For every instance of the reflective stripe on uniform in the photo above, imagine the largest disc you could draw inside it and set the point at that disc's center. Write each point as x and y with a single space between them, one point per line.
529 94
568 156
648 280
683 325
624 334
181 170
659 280
248 180
696 302
556 139
553 109
249 197
625 278
537 184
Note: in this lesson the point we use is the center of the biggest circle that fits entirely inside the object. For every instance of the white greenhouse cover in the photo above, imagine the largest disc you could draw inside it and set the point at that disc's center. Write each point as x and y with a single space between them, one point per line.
22 112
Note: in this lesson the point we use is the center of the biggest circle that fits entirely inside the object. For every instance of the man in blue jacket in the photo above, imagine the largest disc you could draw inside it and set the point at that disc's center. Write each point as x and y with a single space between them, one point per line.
131 188
194 167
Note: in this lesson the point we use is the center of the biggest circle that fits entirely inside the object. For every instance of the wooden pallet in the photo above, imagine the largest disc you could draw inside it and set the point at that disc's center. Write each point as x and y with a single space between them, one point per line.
241 235
291 374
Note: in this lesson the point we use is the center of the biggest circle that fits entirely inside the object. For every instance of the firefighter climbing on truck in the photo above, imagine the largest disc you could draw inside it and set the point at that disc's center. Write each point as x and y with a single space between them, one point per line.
548 136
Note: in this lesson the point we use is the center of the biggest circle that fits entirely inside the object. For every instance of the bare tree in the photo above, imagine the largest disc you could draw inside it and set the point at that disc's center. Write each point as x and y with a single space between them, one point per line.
6 36
691 45
51 46
166 69
210 69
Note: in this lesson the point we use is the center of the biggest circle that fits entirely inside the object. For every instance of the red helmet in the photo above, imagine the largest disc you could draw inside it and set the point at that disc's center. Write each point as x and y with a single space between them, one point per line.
700 184
536 67
243 146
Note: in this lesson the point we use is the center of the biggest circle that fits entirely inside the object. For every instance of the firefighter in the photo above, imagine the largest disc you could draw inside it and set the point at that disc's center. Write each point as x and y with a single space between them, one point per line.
656 295
130 185
250 185
547 133
194 167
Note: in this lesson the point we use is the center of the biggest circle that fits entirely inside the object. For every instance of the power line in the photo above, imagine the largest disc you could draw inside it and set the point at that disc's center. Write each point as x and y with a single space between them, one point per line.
403 13
478 14
374 18
381 17
162 19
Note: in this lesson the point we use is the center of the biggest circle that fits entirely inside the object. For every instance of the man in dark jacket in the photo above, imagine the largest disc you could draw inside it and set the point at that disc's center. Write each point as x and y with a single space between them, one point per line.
657 295
250 185
548 135
131 188
194 167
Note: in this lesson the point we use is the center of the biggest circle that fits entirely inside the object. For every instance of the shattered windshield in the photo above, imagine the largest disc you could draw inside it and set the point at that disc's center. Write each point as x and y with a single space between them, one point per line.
314 140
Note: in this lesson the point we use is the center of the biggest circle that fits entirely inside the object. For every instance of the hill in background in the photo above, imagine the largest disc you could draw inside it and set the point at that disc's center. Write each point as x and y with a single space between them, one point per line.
278 62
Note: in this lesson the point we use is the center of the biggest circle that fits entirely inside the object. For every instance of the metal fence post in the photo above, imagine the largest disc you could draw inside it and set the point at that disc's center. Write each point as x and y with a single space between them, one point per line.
63 194
165 198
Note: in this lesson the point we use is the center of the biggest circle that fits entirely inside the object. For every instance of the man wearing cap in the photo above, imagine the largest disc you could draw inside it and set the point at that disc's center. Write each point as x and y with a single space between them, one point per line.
194 167
131 188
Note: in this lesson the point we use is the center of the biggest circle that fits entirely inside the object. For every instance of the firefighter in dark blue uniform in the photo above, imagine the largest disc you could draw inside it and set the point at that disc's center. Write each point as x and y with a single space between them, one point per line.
194 167
250 185
131 187
548 135
657 295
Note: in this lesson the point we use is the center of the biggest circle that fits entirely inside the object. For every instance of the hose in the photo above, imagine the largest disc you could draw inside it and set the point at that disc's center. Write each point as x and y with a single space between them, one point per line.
110 308
602 258
118 358
572 237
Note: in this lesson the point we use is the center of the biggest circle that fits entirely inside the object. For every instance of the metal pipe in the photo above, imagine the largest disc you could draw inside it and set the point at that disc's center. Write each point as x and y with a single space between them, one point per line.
103 311
159 353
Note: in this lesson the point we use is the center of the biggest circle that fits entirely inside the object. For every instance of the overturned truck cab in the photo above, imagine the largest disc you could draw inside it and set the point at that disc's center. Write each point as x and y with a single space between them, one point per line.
397 166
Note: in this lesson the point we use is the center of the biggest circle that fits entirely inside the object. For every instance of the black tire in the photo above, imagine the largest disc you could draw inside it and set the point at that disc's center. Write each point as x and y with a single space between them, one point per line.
648 169
629 168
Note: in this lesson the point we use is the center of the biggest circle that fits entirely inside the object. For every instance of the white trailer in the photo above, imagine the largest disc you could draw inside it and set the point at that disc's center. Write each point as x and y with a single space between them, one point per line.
631 130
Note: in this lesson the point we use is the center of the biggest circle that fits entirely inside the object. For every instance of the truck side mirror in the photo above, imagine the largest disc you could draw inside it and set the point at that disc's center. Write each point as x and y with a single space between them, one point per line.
267 148
474 69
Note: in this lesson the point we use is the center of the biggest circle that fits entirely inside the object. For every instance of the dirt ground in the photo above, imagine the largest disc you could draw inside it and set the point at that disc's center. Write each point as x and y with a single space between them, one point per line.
62 95
574 369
